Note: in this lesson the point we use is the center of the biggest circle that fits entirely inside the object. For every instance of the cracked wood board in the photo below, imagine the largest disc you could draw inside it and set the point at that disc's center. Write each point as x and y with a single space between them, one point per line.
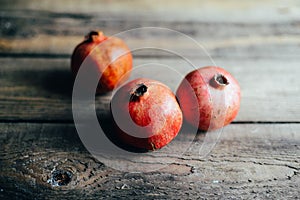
253 160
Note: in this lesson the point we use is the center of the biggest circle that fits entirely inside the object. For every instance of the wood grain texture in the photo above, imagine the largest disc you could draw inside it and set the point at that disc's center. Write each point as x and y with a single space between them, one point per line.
249 161
254 46
256 157
170 10
40 89
44 33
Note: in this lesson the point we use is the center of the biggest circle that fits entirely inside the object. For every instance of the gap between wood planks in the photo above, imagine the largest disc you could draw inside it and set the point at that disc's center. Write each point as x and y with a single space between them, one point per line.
68 121
139 56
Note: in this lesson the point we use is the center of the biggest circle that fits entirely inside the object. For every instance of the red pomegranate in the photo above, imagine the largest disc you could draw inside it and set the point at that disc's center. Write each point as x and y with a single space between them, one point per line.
110 55
146 114
209 98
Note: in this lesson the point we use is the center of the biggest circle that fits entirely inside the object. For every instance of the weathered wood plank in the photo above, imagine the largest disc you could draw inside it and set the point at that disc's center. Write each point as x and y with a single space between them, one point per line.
28 23
214 10
250 161
284 47
39 32
40 89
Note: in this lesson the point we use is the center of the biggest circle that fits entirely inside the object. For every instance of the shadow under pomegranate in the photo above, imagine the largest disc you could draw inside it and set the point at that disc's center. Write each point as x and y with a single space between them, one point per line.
111 130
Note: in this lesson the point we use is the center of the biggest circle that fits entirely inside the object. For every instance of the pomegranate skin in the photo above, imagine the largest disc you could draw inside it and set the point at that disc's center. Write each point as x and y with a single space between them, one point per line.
209 98
109 55
146 114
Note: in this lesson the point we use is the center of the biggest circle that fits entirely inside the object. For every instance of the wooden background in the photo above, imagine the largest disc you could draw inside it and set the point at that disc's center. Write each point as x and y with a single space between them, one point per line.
257 155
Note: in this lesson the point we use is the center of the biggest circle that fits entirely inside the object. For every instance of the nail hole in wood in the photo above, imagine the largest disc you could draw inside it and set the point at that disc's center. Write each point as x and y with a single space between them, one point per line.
60 178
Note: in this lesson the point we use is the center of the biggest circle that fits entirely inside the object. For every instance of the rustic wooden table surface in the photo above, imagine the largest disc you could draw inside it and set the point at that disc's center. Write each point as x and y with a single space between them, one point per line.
257 156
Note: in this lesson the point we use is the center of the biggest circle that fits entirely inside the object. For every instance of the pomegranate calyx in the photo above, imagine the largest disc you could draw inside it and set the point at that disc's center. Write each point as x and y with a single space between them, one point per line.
138 92
219 81
95 36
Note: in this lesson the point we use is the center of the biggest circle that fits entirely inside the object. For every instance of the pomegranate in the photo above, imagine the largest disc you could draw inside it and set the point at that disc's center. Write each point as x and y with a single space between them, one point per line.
146 114
110 56
209 98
